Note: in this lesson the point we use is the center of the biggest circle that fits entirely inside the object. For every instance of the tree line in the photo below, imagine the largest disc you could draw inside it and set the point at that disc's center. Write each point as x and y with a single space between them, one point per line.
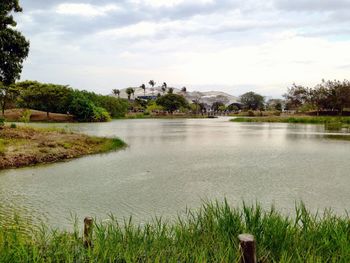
328 96
84 105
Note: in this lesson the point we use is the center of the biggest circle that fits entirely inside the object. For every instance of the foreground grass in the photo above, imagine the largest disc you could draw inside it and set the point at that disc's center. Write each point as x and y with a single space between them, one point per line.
24 146
208 235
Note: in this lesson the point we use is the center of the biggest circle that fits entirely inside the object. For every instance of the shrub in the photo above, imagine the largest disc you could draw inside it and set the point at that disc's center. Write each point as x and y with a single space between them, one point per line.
100 114
13 126
2 121
251 113
25 116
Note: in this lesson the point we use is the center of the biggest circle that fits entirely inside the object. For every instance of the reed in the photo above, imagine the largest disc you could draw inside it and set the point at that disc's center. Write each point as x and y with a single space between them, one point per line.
208 234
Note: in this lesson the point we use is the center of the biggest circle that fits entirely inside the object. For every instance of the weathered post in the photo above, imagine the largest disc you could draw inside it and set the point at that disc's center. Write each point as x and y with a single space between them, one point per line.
247 247
88 225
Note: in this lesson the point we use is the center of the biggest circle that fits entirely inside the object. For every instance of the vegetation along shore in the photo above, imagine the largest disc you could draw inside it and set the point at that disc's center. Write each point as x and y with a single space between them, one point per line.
25 146
296 119
206 235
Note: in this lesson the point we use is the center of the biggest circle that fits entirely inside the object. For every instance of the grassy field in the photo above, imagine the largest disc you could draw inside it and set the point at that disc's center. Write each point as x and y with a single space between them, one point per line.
298 119
24 146
207 235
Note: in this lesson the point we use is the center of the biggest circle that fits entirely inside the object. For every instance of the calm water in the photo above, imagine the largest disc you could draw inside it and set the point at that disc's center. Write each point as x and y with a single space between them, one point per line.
171 164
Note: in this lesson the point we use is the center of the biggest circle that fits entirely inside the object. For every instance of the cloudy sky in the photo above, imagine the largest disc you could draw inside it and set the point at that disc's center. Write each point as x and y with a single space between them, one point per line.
229 45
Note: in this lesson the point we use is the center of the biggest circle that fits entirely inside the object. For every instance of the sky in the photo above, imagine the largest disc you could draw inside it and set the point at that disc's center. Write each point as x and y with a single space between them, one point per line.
229 45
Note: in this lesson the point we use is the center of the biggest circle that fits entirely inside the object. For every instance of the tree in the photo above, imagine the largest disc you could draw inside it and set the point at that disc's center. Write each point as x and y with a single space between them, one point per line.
274 104
129 91
339 94
14 49
252 101
172 102
217 105
152 83
116 92
184 90
170 90
296 96
143 86
44 97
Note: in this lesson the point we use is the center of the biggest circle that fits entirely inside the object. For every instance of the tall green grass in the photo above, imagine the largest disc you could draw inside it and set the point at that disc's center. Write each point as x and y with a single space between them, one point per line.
207 235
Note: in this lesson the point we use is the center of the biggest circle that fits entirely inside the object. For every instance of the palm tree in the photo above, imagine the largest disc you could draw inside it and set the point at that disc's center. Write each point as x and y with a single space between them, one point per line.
152 83
116 92
143 86
164 87
129 91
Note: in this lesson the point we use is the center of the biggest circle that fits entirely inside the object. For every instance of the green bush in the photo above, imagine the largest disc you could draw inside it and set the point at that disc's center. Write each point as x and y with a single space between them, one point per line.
25 116
13 126
101 115
2 121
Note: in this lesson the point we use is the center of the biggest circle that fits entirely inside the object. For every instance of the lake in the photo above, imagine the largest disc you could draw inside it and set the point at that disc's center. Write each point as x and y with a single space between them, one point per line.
172 164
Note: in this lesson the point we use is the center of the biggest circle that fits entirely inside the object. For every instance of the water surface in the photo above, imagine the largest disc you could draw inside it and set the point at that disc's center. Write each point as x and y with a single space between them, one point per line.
173 164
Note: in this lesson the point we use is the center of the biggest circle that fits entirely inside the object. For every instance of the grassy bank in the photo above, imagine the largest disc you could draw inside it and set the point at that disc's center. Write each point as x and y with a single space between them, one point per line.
208 235
24 146
16 115
298 119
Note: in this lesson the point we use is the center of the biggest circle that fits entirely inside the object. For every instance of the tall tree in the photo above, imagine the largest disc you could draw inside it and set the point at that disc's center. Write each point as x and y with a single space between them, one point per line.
252 101
296 96
143 86
14 49
129 91
164 87
116 92
152 83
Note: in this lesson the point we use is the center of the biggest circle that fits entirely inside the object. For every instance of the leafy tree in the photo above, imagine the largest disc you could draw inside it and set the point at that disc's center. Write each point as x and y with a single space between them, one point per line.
171 90
252 101
274 104
172 102
296 96
233 107
14 49
44 97
216 105
116 92
154 107
184 90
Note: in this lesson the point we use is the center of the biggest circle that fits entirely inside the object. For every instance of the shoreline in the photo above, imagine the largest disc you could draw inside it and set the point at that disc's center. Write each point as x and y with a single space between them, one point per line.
296 119
27 146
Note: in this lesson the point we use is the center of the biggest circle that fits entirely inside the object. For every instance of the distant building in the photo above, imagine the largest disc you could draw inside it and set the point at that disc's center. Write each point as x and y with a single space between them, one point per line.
147 97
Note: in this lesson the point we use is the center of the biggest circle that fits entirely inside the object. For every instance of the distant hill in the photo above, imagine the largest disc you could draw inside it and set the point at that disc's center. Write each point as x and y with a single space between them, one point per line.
207 97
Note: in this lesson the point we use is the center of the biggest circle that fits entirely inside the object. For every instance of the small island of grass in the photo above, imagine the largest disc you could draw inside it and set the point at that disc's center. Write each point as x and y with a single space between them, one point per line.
25 146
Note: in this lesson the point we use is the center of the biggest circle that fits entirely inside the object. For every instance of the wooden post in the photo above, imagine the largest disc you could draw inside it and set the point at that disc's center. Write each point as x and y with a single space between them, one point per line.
247 247
88 225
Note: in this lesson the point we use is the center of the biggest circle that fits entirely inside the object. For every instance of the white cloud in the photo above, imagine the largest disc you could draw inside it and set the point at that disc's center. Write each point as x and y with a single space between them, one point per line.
204 44
85 10
169 3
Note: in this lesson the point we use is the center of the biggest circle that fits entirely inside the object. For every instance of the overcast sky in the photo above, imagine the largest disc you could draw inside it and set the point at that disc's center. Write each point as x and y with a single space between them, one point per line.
229 45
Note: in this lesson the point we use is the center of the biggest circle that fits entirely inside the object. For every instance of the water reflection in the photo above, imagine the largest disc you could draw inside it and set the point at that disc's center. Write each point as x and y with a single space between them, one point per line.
171 164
